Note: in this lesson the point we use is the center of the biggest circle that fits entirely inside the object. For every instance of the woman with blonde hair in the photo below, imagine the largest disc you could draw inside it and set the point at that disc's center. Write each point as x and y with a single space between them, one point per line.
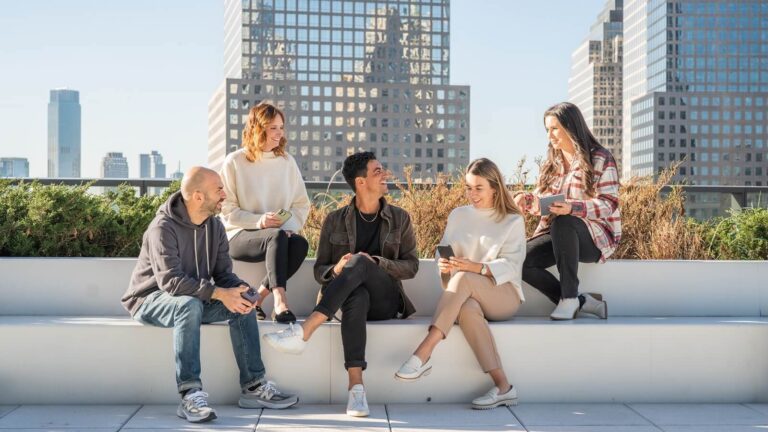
481 281
585 226
266 206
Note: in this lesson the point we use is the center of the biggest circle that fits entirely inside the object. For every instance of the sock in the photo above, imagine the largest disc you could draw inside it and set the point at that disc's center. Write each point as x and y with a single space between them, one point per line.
255 386
582 300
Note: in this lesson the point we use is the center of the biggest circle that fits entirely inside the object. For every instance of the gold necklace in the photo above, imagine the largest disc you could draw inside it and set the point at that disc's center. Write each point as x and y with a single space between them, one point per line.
366 220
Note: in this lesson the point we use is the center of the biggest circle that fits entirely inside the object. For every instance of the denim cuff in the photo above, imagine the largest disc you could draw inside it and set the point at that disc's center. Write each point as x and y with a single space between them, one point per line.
356 363
183 387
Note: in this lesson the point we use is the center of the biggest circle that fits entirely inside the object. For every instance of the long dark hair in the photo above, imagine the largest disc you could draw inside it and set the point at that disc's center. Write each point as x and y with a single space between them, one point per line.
572 121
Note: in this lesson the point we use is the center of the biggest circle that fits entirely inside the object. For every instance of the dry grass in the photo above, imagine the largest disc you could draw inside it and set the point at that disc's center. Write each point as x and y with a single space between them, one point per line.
654 226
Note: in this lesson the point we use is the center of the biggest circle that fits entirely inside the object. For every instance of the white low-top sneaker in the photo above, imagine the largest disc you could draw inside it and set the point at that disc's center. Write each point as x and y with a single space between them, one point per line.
493 399
566 309
595 305
357 404
413 369
290 340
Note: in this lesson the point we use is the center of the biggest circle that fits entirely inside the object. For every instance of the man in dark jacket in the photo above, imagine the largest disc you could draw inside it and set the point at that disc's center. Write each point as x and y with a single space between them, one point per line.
365 250
183 278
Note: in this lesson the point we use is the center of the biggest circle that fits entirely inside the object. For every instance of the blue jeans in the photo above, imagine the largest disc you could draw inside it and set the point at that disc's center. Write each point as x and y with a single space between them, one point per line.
185 314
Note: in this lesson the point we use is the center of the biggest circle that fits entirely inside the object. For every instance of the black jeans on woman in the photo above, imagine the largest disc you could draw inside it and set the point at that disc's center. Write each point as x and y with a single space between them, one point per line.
567 243
282 255
364 292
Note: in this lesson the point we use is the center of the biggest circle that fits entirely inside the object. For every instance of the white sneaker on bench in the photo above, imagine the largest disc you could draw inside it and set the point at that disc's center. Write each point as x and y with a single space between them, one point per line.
290 340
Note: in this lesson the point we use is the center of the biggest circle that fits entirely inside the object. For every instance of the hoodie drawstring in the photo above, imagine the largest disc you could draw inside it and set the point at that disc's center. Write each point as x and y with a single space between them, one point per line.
207 254
197 267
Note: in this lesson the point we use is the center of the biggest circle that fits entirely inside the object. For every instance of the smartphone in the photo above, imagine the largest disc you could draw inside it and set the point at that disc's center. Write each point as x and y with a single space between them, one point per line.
445 251
251 295
283 215
545 202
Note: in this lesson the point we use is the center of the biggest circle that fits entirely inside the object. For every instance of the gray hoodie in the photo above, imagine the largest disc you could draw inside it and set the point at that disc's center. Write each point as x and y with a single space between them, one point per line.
180 258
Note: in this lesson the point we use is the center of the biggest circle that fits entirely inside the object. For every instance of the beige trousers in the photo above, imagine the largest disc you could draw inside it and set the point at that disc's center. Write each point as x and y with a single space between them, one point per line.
470 299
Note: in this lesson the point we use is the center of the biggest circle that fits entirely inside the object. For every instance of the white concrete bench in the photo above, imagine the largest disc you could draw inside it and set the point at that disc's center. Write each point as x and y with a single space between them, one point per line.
678 332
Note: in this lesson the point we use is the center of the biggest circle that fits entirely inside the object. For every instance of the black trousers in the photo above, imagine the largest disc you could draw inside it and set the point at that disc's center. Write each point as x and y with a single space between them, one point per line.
283 255
567 244
364 292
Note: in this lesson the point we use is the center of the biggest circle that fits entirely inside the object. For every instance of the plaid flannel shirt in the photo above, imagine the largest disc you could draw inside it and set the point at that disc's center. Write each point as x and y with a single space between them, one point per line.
601 213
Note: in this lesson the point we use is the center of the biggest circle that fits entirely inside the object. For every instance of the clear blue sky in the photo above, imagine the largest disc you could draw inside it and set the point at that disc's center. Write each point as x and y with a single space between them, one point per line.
146 70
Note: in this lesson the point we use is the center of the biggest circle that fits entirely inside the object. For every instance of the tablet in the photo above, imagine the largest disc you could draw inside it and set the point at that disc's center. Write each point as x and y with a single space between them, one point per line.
545 202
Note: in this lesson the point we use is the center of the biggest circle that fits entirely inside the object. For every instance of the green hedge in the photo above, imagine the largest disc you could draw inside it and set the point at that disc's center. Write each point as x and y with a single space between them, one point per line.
38 220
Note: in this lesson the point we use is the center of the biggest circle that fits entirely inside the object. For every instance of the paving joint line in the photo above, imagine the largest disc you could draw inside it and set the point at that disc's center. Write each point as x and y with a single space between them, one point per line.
386 411
644 417
509 408
130 417
10 411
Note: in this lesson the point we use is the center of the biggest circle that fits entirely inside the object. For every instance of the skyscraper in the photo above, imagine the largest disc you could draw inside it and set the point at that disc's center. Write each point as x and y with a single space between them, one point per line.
151 165
596 78
64 133
14 167
114 165
695 89
349 75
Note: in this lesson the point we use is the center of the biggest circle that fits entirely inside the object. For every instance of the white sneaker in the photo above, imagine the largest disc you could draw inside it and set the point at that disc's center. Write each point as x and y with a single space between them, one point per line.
493 399
194 407
290 340
413 369
595 305
566 309
357 404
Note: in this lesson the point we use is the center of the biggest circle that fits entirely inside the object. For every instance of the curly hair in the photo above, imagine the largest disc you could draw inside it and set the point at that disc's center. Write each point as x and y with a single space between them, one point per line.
255 131
572 121
356 165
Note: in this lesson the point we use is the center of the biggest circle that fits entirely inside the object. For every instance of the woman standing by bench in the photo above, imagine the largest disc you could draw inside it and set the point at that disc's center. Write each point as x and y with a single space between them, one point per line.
482 281
585 226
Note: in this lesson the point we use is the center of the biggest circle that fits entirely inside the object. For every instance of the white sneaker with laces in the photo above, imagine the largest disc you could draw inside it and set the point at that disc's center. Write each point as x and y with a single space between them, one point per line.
194 407
493 399
357 404
290 340
595 305
413 369
566 309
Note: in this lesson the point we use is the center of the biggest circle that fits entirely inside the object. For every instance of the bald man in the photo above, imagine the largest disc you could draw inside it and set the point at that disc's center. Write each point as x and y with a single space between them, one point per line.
183 278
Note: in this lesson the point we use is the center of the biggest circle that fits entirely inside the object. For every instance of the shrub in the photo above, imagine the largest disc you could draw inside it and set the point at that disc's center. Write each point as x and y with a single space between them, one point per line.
741 236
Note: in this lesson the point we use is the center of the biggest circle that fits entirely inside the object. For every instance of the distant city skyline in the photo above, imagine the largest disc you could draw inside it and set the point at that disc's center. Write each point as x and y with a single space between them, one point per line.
134 98
64 133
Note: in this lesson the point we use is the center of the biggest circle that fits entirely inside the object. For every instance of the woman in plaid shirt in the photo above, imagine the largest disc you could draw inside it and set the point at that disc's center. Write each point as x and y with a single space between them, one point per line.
586 227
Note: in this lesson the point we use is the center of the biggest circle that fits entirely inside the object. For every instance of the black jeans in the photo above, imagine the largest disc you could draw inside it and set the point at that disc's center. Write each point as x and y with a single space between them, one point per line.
364 292
283 255
567 244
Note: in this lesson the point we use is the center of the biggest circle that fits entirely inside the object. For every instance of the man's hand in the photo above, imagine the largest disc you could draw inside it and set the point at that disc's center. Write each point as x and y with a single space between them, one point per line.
270 220
232 299
339 267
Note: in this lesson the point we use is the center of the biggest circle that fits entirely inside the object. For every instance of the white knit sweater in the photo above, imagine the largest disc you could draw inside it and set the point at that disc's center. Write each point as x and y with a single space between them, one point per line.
475 234
255 188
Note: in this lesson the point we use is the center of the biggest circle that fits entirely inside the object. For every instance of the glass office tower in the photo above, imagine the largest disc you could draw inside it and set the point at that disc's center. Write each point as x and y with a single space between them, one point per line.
695 89
64 134
595 81
350 75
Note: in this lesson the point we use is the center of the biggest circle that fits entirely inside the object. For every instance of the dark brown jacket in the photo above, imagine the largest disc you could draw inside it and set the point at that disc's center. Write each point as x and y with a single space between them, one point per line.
398 245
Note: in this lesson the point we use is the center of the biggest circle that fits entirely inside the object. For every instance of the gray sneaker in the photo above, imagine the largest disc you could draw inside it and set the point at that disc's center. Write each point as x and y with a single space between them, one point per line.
194 407
266 396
